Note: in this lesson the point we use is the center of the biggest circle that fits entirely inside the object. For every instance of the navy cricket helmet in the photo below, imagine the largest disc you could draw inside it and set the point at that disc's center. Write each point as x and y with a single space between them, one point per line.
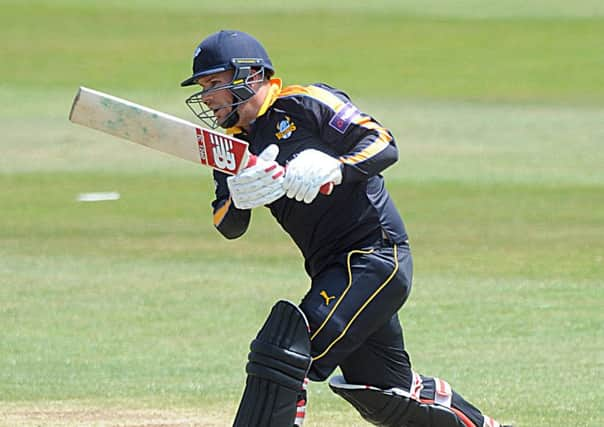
223 51
226 50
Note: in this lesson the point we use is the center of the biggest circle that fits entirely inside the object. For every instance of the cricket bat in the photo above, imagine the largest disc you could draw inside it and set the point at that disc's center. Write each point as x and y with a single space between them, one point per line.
162 132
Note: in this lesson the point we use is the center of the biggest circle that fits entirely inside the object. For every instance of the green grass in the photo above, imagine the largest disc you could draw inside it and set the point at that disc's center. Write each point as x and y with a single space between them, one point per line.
553 59
139 301
136 312
465 8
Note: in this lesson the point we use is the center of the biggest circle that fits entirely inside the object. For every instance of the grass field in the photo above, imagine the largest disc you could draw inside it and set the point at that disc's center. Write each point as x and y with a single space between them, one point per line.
136 312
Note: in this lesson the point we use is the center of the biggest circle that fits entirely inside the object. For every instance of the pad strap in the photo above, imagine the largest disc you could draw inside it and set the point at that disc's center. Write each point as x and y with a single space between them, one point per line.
442 393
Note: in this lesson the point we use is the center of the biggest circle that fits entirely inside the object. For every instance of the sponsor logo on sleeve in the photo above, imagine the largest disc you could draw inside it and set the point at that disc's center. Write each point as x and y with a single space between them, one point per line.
342 120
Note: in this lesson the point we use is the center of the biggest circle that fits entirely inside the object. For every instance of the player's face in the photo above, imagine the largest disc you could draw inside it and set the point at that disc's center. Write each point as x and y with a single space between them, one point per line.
218 100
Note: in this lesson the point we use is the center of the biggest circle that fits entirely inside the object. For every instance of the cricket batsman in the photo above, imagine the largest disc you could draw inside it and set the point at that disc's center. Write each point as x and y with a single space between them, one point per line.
353 240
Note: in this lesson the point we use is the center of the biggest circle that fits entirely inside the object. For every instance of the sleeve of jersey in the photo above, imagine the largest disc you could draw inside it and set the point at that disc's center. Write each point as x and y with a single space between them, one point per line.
228 220
372 149
364 147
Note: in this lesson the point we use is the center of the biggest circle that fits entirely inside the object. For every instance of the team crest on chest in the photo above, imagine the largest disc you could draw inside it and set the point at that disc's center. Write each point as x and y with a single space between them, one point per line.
285 128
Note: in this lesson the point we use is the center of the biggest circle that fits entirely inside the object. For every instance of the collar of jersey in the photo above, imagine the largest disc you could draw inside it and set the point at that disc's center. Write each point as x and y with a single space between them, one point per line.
271 97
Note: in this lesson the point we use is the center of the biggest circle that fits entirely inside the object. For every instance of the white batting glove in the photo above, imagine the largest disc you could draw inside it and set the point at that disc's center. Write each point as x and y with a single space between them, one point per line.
307 172
259 184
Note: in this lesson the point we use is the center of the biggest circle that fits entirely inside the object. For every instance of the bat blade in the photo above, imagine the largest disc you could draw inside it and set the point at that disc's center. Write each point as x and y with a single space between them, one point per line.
157 130
162 132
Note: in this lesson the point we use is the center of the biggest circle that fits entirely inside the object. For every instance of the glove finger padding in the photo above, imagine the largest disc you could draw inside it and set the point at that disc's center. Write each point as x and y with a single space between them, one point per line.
259 184
249 184
256 193
264 195
270 153
293 186
307 172
311 193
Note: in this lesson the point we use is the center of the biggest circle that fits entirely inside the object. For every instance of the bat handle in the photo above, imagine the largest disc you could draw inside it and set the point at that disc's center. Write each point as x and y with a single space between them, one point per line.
325 189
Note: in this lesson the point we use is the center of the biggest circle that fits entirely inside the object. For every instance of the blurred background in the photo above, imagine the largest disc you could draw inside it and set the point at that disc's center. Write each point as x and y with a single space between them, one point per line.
136 310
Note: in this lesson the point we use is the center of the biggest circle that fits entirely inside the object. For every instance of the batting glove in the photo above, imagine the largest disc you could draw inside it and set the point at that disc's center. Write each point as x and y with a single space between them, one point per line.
307 172
260 184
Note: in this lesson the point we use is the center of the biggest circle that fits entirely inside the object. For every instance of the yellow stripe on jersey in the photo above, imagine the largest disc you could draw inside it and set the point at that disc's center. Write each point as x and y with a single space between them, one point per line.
381 143
336 104
366 154
221 212
322 95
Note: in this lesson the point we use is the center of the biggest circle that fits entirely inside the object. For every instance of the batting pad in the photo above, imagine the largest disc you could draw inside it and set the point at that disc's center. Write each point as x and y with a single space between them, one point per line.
394 407
277 365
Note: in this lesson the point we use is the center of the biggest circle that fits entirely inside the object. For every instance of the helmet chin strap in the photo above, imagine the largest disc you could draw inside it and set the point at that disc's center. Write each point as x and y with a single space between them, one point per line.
231 120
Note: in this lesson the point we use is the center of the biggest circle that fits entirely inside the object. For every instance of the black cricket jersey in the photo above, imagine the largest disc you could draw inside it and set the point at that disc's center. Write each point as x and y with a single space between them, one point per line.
358 210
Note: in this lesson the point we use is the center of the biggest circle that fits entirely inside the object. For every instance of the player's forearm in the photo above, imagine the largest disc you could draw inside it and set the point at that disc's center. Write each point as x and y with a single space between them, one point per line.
230 221
370 157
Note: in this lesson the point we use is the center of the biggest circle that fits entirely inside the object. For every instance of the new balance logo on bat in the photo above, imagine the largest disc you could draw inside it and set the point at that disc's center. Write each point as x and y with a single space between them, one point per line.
221 150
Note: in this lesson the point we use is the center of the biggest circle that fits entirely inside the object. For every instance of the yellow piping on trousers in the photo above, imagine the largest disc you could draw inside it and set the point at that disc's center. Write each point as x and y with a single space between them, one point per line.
357 314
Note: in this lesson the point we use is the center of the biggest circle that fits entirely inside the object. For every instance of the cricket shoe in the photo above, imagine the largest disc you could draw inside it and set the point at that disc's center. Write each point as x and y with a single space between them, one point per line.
300 413
490 422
